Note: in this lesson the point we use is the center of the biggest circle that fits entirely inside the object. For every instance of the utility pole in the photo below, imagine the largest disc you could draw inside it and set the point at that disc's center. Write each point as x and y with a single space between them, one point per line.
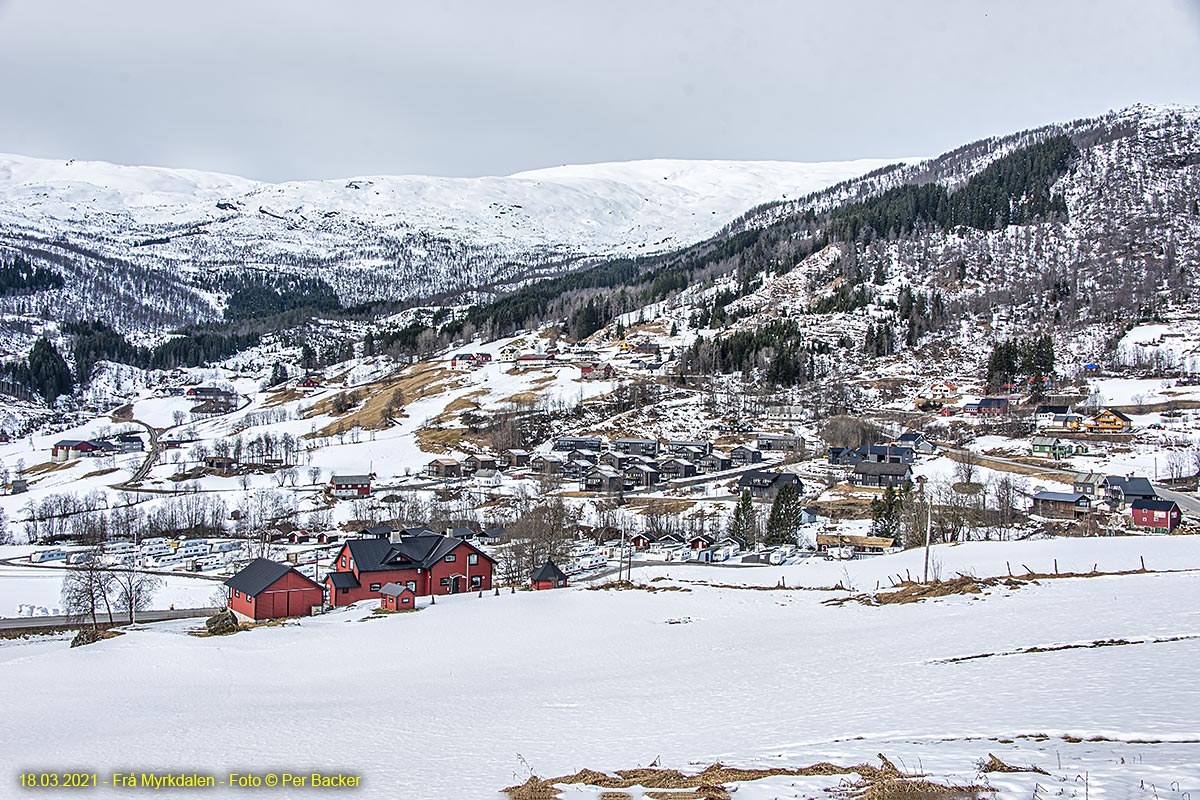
928 523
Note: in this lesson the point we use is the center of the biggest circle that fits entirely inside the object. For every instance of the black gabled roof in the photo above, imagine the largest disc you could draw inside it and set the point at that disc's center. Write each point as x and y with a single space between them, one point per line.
259 575
881 468
1155 504
342 580
422 550
548 572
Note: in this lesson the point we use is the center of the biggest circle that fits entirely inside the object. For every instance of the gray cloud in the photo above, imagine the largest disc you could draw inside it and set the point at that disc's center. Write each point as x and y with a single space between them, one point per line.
297 89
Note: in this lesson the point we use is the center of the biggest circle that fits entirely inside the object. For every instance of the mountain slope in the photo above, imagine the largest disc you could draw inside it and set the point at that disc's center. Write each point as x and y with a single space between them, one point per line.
379 237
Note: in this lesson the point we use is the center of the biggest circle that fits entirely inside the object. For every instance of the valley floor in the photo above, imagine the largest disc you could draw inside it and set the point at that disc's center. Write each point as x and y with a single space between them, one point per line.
472 694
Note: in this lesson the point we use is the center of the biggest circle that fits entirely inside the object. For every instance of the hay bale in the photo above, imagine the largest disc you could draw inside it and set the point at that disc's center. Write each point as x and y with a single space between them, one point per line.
222 623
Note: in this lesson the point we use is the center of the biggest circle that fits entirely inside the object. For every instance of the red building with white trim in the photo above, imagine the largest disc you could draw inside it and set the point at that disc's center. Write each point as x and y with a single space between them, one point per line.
427 563
1155 513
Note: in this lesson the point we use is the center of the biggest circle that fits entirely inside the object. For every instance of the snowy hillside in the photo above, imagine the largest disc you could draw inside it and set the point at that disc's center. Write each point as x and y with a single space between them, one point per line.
373 237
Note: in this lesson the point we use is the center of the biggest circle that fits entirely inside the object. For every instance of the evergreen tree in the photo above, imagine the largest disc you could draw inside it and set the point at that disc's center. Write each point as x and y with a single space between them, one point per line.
885 514
278 375
743 524
784 519
49 374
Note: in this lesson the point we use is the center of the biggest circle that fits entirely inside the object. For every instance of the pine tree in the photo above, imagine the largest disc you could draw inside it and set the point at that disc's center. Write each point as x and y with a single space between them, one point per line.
743 524
784 519
885 514
48 371
278 375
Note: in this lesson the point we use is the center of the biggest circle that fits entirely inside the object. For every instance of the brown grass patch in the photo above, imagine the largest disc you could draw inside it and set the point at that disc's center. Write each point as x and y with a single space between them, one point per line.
994 764
624 586
912 591
440 440
464 403
416 382
884 782
49 466
282 396
660 505
100 472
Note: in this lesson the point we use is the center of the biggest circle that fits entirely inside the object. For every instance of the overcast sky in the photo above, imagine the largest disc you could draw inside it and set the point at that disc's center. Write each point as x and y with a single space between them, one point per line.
297 89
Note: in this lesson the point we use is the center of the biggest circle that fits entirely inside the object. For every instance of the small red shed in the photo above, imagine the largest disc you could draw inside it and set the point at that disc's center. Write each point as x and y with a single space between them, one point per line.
266 589
397 597
548 576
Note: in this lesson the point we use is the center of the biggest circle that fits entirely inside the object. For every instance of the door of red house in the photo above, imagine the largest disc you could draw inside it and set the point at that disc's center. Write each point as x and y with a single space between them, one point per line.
454 585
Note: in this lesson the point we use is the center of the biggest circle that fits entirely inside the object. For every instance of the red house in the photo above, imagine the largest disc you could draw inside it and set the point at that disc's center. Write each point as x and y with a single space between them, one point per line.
642 541
547 576
426 563
350 486
1162 515
395 597
266 589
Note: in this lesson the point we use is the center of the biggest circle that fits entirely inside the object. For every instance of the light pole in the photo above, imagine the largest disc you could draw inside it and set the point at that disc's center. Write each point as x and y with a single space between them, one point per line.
928 523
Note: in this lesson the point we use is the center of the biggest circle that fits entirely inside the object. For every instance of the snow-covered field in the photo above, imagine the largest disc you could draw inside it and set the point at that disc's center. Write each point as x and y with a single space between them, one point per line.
467 696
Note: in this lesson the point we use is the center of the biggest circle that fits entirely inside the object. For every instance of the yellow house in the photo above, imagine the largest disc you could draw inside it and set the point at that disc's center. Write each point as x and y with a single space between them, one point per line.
1108 421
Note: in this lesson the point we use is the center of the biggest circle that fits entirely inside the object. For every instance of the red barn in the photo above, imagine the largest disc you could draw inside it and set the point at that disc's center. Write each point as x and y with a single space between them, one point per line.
427 563
1154 513
394 597
266 589
548 576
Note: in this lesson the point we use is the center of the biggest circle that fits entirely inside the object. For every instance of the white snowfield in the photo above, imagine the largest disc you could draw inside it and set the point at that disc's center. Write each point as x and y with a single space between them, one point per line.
455 700
595 209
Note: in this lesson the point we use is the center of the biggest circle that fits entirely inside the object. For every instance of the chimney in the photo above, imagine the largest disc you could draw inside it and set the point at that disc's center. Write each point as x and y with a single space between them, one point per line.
394 537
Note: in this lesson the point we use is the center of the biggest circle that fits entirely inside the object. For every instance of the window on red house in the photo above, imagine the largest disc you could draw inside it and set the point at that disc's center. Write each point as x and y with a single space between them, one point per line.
476 581
473 559
374 587
450 557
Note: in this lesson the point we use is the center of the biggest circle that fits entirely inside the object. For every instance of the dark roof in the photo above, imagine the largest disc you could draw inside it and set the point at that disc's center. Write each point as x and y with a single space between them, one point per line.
910 437
881 468
1131 487
885 450
1059 497
548 572
992 402
342 580
1118 415
1053 410
260 574
378 531
395 589
763 478
1153 504
344 479
422 550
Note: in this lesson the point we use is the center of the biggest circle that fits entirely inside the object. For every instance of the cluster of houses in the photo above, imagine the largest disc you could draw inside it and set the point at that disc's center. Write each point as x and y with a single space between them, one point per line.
1111 493
880 465
625 464
71 449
